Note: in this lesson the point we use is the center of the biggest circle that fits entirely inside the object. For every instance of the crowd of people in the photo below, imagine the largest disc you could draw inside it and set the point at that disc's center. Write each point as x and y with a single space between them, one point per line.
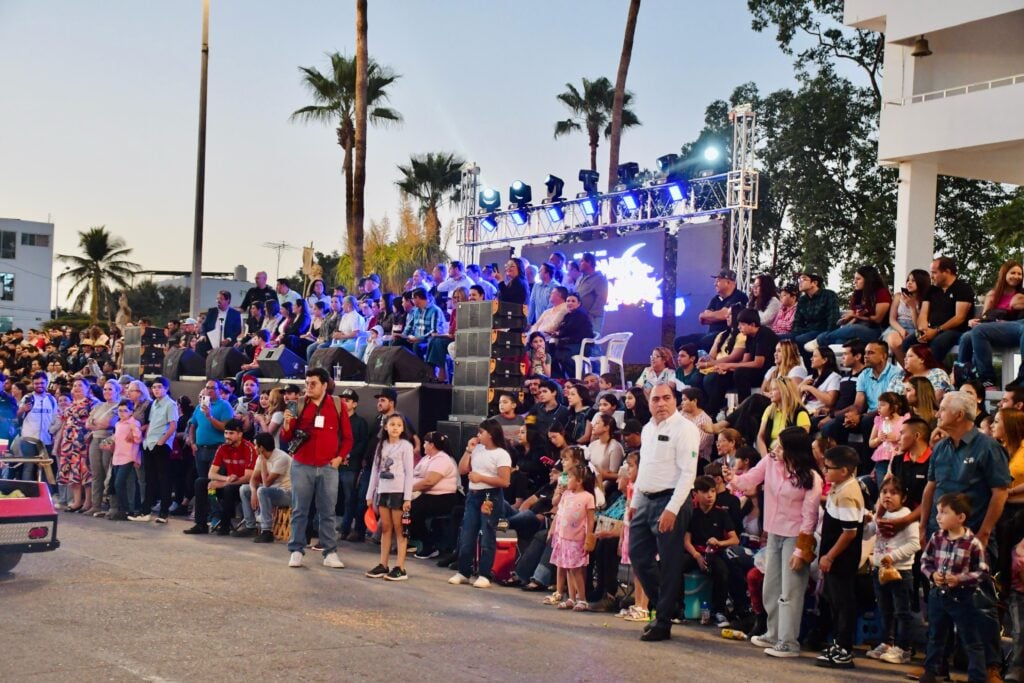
806 459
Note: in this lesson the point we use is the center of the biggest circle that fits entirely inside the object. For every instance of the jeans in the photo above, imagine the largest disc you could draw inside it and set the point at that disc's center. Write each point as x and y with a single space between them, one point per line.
204 458
121 475
346 493
894 605
476 524
940 345
312 348
525 524
309 481
531 553
268 497
845 333
1017 619
658 557
158 478
948 607
842 600
980 340
355 508
783 592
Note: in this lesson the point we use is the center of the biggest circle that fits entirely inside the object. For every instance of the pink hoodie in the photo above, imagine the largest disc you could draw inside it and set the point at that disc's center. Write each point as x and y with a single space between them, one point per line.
788 510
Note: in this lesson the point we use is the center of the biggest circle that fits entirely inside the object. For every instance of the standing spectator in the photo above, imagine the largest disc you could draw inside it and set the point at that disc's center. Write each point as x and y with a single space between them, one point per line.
817 310
101 422
314 473
592 287
260 294
661 507
716 315
73 452
540 293
127 455
36 411
514 288
390 491
944 310
206 426
353 480
222 324
156 450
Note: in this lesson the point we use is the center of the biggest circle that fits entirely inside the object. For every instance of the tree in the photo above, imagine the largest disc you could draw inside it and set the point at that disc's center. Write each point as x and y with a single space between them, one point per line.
431 179
362 106
334 95
592 110
102 266
615 135
157 302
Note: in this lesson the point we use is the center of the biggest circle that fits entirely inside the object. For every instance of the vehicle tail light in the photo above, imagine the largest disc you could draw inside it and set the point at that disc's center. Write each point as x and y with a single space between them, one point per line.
37 532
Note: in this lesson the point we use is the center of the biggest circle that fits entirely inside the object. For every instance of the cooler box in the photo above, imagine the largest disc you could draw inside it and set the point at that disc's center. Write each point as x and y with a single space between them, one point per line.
504 559
696 589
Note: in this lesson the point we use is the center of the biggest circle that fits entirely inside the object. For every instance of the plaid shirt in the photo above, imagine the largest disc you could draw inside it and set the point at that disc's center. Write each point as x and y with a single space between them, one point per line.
963 556
423 322
819 313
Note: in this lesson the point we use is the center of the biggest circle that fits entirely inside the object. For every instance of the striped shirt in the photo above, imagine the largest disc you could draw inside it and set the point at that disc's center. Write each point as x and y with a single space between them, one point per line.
844 511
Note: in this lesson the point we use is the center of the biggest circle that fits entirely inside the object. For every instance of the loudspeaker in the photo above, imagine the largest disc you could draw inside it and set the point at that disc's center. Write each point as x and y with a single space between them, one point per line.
279 363
224 362
352 369
132 336
390 364
458 433
179 361
471 402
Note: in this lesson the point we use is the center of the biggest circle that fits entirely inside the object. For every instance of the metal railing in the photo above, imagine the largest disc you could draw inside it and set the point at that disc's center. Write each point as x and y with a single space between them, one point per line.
960 90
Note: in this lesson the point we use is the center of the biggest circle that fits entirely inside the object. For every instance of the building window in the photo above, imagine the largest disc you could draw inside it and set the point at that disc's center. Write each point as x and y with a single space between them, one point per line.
6 287
29 239
6 323
8 241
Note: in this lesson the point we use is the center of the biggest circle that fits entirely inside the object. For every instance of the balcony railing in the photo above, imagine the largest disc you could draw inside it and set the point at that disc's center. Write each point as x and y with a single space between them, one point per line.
959 90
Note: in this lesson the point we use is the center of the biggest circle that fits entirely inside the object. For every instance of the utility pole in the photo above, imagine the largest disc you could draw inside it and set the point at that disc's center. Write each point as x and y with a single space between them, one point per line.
197 239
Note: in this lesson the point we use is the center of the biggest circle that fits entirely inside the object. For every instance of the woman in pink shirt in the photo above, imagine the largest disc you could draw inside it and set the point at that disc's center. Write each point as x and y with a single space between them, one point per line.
127 455
435 485
792 491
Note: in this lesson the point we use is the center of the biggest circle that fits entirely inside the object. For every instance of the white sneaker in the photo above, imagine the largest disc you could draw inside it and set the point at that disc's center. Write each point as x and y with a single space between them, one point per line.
141 518
810 346
761 641
99 513
458 580
877 651
332 561
482 582
896 655
295 559
161 520
781 651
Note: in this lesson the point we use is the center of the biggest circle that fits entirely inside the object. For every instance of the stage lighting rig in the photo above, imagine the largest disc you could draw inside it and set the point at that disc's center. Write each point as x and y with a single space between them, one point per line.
589 179
489 223
627 173
490 199
554 185
555 212
520 194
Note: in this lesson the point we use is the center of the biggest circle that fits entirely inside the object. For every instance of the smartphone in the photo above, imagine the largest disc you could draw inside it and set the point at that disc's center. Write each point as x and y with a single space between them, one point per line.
293 407
206 401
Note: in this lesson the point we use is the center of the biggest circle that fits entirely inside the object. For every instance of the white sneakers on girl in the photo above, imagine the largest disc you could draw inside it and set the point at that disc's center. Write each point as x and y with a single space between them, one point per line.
458 580
482 582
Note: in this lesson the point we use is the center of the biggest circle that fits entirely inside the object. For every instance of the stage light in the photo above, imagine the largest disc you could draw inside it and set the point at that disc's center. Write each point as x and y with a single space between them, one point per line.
667 163
555 213
520 216
630 201
627 173
554 185
519 193
711 153
489 223
677 191
490 199
589 205
589 179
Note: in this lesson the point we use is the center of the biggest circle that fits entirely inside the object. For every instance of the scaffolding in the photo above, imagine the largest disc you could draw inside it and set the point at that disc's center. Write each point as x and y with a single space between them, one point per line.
742 191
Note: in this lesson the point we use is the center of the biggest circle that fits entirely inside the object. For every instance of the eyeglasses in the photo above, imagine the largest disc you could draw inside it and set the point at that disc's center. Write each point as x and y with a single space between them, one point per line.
829 468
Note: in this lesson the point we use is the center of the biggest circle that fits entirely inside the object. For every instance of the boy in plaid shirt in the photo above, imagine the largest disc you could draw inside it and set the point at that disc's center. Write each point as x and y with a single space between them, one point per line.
954 561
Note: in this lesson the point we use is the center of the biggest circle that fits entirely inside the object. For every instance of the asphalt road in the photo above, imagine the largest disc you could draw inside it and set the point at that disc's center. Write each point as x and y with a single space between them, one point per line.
122 601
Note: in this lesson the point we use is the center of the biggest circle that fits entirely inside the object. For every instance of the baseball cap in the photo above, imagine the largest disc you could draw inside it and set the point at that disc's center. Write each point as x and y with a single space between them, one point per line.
374 277
191 321
389 394
725 274
350 394
291 389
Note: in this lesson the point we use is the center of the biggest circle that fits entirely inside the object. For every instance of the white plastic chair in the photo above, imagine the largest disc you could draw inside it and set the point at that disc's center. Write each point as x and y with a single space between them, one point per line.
614 353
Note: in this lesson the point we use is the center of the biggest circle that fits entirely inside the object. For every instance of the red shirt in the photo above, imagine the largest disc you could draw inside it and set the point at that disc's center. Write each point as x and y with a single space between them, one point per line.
235 459
325 443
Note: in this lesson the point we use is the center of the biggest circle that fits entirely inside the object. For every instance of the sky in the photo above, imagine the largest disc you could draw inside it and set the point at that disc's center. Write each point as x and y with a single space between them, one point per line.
99 113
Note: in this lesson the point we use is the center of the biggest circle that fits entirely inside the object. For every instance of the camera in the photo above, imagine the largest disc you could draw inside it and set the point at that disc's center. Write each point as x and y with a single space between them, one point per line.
299 439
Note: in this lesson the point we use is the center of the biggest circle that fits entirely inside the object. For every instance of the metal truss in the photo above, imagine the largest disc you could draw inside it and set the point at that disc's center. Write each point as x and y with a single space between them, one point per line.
742 189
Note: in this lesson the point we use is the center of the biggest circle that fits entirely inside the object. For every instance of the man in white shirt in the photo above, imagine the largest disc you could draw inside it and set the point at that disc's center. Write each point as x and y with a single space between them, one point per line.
456 278
661 507
548 321
269 487
37 410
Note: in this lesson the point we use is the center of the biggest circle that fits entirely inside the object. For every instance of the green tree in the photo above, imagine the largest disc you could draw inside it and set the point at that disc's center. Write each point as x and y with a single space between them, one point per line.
591 112
334 97
431 179
102 266
159 303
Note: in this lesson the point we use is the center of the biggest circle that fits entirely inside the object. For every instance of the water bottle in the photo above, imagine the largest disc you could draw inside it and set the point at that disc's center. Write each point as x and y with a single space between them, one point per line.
705 613
337 372
406 523
733 634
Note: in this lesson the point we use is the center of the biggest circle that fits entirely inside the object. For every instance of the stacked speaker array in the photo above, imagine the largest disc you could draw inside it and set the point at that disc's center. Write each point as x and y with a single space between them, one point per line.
131 360
490 357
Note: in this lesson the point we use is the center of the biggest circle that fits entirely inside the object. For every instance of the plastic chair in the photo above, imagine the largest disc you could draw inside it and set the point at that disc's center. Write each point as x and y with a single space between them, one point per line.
615 352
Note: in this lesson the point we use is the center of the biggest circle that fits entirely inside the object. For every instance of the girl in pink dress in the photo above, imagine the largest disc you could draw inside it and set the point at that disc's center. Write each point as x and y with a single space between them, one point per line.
572 535
638 610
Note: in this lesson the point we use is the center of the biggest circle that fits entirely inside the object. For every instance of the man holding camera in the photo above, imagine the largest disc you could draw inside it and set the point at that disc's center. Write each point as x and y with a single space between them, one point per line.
319 440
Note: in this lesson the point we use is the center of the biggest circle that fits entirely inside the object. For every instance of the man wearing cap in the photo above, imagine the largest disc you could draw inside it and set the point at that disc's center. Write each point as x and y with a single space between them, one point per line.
592 287
371 288
817 310
189 333
285 293
716 315
232 467
259 294
354 482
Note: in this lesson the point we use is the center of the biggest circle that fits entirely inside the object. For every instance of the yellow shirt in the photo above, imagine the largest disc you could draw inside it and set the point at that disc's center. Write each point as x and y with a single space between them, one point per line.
741 342
1017 467
779 423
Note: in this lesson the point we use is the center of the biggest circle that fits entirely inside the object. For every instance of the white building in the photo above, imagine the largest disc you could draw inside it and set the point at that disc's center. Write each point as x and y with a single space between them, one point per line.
236 283
26 273
955 111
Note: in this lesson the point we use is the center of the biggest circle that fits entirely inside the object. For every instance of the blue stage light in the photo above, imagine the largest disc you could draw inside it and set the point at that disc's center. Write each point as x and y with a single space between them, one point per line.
555 213
520 216
490 199
489 223
589 205
630 201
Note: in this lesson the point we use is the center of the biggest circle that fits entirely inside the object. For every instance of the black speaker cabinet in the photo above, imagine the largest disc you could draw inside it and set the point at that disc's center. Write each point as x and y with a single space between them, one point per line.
180 362
458 433
352 369
224 362
390 364
279 363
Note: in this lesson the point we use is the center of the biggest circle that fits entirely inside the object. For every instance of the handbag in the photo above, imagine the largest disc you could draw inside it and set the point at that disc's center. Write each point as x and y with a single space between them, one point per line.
888 575
107 444
589 543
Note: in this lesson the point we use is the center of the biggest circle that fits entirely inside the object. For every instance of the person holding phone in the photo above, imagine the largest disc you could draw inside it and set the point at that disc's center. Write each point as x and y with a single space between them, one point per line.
206 426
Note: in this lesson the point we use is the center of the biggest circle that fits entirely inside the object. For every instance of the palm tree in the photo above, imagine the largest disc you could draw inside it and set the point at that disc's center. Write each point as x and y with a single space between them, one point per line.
592 111
431 179
334 95
620 92
362 109
102 266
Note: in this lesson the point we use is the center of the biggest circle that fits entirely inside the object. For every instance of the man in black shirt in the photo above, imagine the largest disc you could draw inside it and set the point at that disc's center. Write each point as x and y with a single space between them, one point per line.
565 342
716 315
710 532
353 487
910 466
547 411
945 310
758 356
259 294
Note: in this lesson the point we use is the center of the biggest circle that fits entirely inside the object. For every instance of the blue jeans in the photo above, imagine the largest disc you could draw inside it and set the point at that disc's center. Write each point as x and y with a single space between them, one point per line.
940 345
204 458
845 333
947 608
322 482
122 474
980 340
894 605
268 497
476 524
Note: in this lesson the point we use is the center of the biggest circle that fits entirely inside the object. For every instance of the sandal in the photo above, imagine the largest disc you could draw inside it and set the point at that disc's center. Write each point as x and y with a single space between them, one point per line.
567 604
581 606
553 599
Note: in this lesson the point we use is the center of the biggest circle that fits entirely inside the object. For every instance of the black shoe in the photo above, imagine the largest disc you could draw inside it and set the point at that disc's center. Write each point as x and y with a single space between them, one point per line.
222 529
245 532
180 511
264 537
654 632
396 574
378 572
197 529
446 559
426 553
355 537
118 517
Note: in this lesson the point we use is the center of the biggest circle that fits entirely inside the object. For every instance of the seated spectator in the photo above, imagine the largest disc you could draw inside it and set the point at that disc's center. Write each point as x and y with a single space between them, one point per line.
547 411
636 406
998 325
437 349
892 412
905 310
514 288
945 310
784 411
269 487
692 408
724 498
686 367
508 416
580 413
350 324
783 322
435 488
921 399
869 309
746 373
711 530
607 404
424 321
716 315
919 362
548 321
539 358
787 363
875 379
764 299
817 310
727 444
489 290
232 466
821 387
727 347
661 369
566 341
983 421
